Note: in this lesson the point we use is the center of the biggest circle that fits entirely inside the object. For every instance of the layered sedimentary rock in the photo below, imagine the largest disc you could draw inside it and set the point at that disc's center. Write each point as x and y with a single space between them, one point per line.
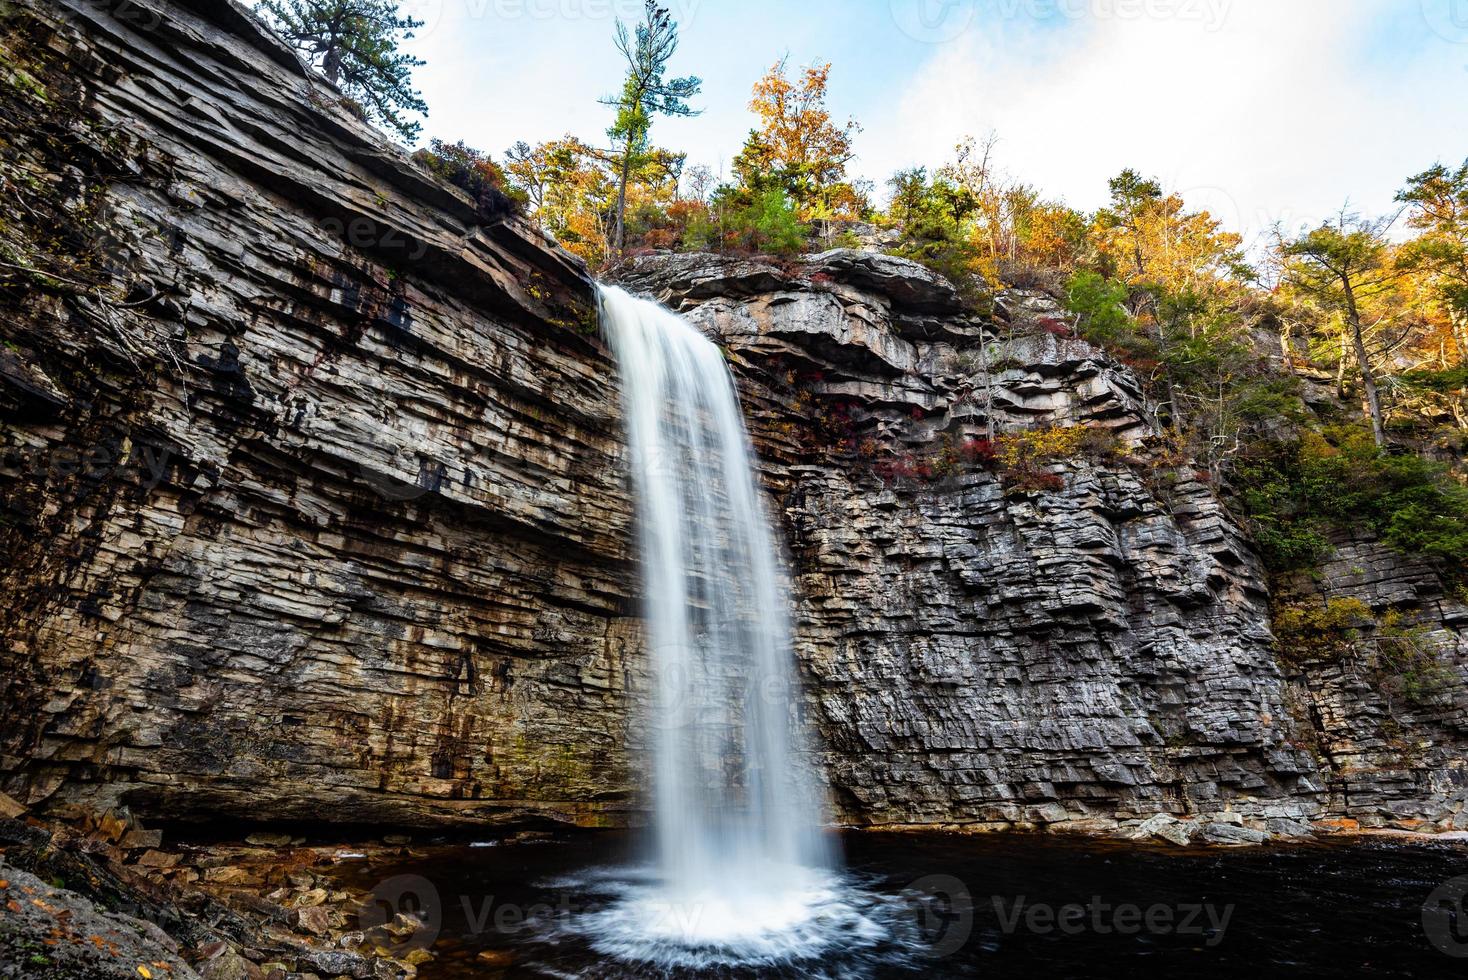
331 526
978 653
1079 654
315 500
1386 717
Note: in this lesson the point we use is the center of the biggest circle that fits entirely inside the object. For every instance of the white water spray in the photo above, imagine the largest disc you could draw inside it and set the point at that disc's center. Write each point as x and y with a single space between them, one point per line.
742 865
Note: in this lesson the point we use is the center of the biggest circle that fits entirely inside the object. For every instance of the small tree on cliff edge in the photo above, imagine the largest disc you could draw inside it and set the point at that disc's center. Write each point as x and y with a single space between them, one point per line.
645 94
798 148
355 44
1343 265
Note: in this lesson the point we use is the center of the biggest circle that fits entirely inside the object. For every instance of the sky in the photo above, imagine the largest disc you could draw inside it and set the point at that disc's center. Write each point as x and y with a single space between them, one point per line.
1260 111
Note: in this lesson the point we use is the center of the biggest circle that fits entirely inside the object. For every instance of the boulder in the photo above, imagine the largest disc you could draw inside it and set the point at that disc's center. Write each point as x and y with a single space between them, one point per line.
1232 834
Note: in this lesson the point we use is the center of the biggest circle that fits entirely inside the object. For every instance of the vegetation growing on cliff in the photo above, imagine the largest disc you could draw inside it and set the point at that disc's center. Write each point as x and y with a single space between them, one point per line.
1401 660
355 45
1296 492
474 172
62 238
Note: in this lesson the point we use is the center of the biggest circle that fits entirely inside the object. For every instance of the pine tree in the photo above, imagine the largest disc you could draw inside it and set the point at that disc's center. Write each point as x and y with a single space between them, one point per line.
1132 196
355 45
1342 265
645 93
1438 209
1438 203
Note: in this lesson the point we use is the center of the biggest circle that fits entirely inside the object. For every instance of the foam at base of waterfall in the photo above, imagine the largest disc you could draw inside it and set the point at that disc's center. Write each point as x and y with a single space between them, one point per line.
814 920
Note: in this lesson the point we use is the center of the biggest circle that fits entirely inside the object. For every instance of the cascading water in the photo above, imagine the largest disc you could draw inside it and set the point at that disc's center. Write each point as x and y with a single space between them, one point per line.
743 875
733 808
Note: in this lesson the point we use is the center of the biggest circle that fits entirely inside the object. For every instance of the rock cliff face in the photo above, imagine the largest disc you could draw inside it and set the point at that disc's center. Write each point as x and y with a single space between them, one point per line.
1389 721
1093 650
315 500
1082 651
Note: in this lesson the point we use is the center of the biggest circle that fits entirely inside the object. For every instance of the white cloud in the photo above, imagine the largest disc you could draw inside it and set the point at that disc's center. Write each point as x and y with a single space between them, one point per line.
1281 112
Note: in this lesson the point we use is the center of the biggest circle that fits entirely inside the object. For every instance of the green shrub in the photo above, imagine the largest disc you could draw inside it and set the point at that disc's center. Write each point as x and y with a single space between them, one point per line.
1398 658
1267 399
1328 632
1442 382
767 222
1410 662
700 232
474 172
1100 308
1293 494
931 216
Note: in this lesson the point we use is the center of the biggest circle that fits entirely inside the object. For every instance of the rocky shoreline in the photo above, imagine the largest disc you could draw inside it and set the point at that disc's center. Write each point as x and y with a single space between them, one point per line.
106 898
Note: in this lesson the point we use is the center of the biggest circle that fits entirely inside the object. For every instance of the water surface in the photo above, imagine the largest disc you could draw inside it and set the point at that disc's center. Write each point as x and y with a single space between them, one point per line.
936 905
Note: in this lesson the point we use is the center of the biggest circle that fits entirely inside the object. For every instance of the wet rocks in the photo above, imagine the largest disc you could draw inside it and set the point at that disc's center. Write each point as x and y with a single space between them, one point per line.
271 840
233 911
48 932
222 962
9 809
313 919
339 964
1164 826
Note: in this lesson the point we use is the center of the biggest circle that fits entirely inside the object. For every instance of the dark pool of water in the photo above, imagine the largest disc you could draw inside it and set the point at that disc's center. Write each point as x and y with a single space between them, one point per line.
1008 905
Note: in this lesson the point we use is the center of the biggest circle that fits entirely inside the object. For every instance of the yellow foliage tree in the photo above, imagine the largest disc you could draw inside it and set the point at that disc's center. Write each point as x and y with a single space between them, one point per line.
1150 240
1053 236
797 147
572 189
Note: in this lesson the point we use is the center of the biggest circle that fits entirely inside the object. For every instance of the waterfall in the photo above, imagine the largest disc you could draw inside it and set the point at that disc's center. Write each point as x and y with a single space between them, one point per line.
736 815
